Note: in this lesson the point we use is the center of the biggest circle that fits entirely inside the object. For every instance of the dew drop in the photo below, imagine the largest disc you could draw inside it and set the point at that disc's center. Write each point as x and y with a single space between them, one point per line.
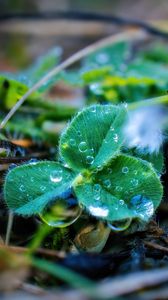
107 183
56 176
121 202
97 196
33 161
99 168
42 188
32 179
79 133
72 142
62 213
102 58
98 211
93 109
118 188
89 160
115 138
125 170
134 182
82 147
107 109
109 170
142 206
97 187
12 166
119 226
22 188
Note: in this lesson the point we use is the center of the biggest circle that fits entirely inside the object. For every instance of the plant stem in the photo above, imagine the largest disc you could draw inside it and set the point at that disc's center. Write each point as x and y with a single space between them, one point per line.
9 228
163 100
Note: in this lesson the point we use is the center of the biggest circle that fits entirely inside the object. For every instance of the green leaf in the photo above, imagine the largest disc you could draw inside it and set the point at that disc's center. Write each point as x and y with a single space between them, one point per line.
11 90
93 137
127 188
30 187
41 67
113 55
157 159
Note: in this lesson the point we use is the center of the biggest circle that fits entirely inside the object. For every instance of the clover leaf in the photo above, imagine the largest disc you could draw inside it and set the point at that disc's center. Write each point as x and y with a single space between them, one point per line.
114 193
93 137
29 188
110 185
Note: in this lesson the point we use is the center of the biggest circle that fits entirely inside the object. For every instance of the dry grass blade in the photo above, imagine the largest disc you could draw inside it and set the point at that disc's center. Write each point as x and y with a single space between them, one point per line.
132 282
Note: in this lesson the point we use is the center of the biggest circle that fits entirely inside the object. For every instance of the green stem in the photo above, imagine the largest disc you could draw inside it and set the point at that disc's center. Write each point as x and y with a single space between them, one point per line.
72 278
163 100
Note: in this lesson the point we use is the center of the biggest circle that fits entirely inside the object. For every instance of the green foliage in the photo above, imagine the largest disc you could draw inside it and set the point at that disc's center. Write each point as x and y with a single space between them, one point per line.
124 76
29 188
85 144
109 185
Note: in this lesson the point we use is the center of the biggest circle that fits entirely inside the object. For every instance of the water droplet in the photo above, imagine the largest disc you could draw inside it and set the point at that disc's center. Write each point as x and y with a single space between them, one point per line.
134 182
90 151
12 166
121 202
111 128
97 187
115 138
125 170
107 109
97 190
135 172
93 109
22 188
33 161
118 188
83 147
62 213
79 133
72 142
142 206
109 170
107 183
98 211
99 168
120 226
32 179
56 176
42 188
102 58
89 160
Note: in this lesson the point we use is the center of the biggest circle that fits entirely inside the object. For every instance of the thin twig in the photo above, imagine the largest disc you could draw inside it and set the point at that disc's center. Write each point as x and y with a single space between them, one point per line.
127 35
156 246
41 251
132 282
9 228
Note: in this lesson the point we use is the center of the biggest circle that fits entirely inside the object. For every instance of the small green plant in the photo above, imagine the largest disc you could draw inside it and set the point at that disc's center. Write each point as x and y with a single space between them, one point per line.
108 183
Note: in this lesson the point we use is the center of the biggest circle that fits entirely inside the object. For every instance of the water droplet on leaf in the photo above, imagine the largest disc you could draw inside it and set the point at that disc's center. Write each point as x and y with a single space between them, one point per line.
72 142
22 188
62 213
120 226
56 176
115 138
142 206
107 183
83 147
134 182
89 160
98 211
125 170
